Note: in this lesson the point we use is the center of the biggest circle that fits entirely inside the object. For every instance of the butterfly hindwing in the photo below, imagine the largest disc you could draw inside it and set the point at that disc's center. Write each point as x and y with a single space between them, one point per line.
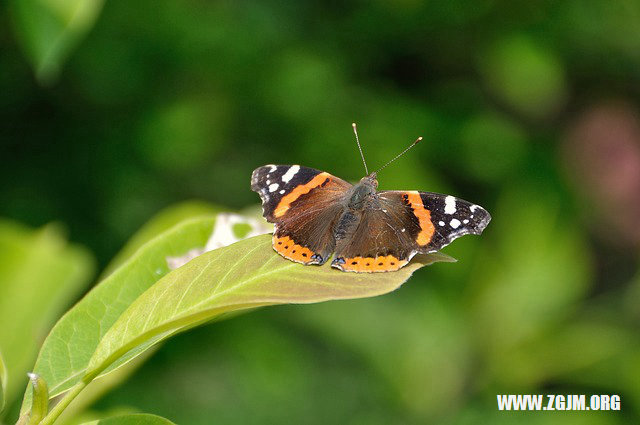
377 243
304 204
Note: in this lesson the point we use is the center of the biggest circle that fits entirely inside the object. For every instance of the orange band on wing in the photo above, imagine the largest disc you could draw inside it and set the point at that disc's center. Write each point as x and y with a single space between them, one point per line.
384 263
424 218
287 200
286 247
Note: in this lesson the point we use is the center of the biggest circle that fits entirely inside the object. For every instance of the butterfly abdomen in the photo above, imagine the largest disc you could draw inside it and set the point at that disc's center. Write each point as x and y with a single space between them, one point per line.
347 223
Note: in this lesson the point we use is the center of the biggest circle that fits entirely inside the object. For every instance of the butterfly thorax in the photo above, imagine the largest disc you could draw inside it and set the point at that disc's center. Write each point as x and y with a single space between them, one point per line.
362 191
359 197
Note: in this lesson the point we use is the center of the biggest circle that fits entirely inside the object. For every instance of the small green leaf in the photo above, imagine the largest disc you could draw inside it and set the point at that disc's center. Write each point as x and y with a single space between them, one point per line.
49 30
132 419
244 275
40 406
3 383
65 353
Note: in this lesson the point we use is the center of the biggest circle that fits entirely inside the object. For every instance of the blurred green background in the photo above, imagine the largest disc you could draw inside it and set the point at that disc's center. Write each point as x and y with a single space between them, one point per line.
111 112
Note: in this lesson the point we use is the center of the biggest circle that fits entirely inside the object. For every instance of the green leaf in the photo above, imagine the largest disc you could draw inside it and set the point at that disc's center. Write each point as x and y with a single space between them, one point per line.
77 409
161 222
244 275
49 30
40 275
132 419
3 383
40 406
66 351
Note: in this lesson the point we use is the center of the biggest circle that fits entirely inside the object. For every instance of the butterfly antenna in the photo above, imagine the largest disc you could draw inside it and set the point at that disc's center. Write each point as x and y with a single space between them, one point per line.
400 154
355 131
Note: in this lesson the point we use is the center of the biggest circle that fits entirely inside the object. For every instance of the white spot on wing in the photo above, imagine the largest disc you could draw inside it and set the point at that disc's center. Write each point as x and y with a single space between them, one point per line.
465 221
403 230
272 168
450 205
473 208
290 173
455 223
441 223
273 187
281 192
268 181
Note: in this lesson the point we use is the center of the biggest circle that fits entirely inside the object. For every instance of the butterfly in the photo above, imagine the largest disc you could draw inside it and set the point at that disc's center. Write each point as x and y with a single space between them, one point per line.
317 214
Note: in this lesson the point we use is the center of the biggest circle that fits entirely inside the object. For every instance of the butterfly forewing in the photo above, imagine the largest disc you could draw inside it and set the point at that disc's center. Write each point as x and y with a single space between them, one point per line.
304 204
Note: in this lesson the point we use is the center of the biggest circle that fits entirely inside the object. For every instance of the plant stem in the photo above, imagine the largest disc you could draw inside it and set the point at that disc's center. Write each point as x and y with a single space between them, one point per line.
63 403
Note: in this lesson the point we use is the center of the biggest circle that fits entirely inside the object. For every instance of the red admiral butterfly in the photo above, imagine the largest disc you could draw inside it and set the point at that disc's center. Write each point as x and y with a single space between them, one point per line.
316 214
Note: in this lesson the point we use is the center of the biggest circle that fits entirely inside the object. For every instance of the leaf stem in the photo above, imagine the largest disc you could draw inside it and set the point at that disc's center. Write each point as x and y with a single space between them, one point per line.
63 403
